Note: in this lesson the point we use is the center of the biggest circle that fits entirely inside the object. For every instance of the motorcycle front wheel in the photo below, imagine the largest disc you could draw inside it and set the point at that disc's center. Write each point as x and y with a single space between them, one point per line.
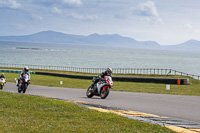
89 93
19 90
1 87
105 93
24 88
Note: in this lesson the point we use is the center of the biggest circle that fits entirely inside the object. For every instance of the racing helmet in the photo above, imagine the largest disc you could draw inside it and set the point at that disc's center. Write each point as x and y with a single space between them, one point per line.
26 69
2 75
109 71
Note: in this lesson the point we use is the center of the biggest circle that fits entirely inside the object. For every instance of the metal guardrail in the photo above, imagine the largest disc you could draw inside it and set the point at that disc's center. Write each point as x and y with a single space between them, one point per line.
146 71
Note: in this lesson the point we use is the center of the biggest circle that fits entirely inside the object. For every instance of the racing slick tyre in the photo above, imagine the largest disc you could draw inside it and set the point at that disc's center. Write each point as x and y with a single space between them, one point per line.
89 92
105 93
24 88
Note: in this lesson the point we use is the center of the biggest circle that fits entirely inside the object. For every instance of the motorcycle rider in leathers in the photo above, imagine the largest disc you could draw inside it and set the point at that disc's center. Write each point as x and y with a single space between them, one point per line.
108 72
25 71
3 76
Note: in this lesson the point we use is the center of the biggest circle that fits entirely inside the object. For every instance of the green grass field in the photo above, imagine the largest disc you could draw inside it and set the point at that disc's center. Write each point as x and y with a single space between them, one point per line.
33 114
24 113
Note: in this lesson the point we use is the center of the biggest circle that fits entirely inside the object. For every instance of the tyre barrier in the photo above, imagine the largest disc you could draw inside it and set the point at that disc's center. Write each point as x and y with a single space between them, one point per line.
65 75
13 71
125 79
154 80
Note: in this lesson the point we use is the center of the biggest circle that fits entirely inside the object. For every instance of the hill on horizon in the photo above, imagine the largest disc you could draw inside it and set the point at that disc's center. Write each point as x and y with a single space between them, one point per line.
115 40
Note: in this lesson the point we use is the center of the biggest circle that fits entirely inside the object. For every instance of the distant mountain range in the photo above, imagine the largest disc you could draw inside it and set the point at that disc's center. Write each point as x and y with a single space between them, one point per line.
114 40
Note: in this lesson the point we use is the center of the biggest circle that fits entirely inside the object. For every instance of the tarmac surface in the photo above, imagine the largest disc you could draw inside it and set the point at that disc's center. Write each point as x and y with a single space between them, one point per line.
173 110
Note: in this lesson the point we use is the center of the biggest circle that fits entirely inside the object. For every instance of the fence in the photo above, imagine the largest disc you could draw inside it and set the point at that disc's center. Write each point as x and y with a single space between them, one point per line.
149 71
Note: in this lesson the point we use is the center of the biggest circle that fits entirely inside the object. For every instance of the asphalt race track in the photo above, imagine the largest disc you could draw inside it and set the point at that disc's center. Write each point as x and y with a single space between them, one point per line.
172 106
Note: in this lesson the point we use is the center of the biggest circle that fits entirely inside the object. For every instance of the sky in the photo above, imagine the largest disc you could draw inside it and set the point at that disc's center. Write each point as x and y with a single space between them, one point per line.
167 22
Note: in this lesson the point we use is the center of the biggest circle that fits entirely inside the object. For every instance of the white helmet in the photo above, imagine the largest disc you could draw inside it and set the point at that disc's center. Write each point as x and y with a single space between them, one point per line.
2 75
26 69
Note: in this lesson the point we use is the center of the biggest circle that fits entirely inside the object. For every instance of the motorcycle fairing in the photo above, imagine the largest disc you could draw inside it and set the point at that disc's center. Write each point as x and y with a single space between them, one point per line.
99 86
2 80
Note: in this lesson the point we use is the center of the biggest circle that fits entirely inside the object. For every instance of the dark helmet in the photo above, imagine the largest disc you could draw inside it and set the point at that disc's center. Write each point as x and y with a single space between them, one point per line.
26 69
109 71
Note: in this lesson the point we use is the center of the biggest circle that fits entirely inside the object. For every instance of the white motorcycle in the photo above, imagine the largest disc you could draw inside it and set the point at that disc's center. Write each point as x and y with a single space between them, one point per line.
24 82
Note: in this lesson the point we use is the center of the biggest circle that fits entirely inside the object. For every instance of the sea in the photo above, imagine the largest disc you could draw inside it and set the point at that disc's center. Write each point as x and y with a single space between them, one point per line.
89 56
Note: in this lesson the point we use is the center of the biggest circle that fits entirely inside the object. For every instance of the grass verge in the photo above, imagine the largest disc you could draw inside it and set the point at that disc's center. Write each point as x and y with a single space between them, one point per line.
24 113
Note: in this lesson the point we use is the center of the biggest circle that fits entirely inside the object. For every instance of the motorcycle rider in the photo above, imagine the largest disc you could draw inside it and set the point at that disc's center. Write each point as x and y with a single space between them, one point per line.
25 71
108 72
2 76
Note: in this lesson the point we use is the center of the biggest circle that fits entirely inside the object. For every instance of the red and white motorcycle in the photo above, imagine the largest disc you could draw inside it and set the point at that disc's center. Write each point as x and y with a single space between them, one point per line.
102 88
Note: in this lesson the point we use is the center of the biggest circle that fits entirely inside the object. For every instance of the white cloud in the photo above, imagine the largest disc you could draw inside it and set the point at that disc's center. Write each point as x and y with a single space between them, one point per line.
159 20
37 17
83 17
197 31
188 26
73 2
74 15
148 11
18 26
10 4
190 29
56 10
77 16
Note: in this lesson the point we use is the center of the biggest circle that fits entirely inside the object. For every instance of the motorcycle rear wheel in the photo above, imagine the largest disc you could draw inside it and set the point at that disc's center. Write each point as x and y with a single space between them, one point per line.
105 93
89 93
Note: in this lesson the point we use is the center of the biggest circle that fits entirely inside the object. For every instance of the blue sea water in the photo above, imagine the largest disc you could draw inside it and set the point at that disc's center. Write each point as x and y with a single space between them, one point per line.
98 57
